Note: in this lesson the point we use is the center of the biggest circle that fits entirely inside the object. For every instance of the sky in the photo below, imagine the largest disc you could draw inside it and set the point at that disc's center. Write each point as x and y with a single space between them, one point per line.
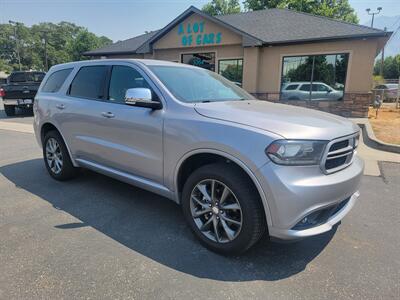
122 19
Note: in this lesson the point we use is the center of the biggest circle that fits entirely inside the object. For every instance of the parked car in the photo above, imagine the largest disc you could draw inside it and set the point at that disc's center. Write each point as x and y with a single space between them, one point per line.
301 91
20 90
239 167
390 90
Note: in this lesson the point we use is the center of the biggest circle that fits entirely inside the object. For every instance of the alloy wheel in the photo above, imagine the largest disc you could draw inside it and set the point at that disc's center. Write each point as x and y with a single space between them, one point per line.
54 156
216 211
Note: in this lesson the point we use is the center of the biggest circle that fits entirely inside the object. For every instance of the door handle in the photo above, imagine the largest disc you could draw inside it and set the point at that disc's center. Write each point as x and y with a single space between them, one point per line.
60 106
107 114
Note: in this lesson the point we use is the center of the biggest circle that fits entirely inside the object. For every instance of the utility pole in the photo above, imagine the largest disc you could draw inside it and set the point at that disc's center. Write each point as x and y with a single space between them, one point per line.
16 42
46 63
382 59
373 14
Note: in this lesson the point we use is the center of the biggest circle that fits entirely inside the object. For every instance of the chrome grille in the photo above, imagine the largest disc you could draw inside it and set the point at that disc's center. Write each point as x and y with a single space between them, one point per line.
339 153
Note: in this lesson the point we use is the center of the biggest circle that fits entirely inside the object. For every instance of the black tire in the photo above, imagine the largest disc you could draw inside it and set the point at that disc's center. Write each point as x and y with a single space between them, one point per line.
253 215
68 171
9 110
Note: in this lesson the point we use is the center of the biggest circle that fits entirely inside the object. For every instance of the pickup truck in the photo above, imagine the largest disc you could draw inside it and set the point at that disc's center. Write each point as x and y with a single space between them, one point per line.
20 90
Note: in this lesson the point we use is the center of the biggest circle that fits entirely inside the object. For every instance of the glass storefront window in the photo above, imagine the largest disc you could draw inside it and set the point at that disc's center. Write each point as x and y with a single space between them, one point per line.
231 69
202 60
314 77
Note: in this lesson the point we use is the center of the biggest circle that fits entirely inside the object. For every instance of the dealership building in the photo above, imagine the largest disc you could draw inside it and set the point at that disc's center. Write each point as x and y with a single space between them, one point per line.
277 55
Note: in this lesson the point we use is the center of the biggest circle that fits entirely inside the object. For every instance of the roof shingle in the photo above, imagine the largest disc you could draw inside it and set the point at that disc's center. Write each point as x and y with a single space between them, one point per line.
125 46
274 26
269 26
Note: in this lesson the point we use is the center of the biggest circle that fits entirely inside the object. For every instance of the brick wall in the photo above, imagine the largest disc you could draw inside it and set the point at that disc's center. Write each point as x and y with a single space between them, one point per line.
353 105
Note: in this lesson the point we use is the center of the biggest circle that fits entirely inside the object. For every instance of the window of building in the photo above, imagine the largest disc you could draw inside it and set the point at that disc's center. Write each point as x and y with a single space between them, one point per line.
122 79
202 60
89 82
231 69
55 81
325 76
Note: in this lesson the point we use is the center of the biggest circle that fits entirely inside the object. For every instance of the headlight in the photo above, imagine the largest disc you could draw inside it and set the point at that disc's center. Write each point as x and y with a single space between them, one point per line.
296 152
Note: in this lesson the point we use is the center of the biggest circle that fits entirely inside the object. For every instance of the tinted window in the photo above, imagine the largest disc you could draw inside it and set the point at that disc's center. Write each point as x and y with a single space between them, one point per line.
55 81
123 78
305 87
17 77
27 77
291 87
89 82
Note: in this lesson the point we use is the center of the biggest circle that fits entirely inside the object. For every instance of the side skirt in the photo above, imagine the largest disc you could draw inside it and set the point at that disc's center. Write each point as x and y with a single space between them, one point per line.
128 178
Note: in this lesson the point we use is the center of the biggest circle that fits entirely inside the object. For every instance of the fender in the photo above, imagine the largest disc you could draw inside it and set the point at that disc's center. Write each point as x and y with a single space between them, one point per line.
74 163
235 160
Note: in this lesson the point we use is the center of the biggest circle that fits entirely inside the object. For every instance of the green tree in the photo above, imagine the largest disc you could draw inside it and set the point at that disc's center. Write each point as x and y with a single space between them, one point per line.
222 7
85 41
391 67
261 4
64 42
336 9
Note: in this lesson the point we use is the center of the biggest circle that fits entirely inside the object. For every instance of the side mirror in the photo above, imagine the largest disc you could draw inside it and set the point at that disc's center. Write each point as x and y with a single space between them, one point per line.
329 91
141 97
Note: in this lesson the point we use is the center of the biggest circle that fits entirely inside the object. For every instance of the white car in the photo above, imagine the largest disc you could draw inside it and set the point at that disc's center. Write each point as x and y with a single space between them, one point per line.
301 91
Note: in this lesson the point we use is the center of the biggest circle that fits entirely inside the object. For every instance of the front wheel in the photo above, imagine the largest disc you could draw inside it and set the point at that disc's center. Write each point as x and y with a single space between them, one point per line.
223 208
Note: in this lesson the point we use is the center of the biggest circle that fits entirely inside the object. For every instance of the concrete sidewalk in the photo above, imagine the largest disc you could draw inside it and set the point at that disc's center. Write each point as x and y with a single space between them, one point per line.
372 156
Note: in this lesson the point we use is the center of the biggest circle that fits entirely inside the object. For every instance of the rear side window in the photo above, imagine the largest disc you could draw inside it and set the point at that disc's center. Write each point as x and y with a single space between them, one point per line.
89 82
305 87
55 81
291 87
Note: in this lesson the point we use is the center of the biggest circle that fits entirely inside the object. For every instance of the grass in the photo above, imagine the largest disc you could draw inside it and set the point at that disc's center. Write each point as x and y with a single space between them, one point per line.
387 125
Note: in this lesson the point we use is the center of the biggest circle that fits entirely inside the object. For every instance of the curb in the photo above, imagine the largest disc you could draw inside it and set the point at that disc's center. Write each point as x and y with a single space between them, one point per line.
372 141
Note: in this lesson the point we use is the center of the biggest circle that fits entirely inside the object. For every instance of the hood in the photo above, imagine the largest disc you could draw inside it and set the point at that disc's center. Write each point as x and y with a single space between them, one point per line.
291 122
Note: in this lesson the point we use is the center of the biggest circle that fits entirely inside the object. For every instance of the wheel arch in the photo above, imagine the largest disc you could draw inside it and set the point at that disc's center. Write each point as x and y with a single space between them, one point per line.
48 126
208 156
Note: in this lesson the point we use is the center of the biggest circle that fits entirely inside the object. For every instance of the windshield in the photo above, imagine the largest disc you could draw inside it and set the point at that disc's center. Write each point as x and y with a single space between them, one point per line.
198 85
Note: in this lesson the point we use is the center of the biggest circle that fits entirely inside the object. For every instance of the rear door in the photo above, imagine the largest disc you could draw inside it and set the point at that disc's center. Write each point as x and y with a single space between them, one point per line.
80 113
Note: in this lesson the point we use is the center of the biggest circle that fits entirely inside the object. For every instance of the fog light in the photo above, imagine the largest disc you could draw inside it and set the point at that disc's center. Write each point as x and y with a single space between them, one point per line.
310 220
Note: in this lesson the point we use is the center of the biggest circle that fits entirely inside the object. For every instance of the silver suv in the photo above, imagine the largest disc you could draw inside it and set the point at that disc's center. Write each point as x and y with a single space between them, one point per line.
239 167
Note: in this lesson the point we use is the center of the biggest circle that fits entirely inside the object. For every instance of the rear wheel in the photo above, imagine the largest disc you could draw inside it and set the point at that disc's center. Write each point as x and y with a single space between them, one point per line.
223 208
56 157
9 110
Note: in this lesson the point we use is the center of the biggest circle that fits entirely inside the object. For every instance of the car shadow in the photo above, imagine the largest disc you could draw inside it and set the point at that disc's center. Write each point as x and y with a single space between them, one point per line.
154 226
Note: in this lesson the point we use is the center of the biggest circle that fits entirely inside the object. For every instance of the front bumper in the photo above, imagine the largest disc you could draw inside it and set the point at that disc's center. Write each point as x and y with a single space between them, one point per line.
296 192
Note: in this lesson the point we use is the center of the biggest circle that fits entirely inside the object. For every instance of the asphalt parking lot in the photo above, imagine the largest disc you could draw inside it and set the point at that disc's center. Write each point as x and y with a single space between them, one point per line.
97 238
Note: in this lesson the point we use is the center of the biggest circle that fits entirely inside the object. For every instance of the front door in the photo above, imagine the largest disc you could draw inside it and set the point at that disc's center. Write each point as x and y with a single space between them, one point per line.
132 135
